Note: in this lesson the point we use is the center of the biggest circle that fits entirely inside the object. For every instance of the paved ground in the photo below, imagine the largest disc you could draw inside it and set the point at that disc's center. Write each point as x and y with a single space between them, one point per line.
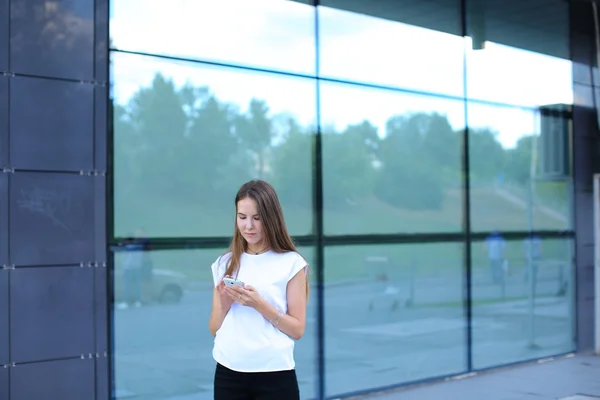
573 378
163 352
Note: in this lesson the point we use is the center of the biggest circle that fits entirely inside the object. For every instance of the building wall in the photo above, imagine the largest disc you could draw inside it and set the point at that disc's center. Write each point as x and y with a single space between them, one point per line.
586 149
53 123
53 251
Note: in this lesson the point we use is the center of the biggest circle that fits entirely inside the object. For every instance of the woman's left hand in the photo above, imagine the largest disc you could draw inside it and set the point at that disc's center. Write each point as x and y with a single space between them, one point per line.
247 296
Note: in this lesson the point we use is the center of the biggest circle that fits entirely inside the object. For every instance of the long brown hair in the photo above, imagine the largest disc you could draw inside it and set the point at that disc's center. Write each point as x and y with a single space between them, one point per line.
276 235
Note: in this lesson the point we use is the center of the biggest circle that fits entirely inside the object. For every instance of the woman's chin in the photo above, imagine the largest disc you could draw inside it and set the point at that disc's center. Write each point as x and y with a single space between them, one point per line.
252 239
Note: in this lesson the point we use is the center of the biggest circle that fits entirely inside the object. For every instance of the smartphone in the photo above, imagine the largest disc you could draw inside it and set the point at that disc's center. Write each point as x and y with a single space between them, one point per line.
231 282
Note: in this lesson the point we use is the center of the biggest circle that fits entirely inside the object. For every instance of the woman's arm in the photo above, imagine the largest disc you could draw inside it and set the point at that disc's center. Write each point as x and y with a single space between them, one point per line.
294 322
217 314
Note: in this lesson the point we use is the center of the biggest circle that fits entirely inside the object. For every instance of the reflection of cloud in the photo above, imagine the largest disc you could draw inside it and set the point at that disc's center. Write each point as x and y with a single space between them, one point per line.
59 27
50 33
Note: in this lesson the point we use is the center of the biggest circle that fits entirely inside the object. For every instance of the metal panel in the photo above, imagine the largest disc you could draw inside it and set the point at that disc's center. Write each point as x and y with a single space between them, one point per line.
100 127
52 313
51 124
3 121
100 219
4 355
581 53
102 386
51 218
53 41
4 383
3 36
101 304
4 256
64 380
102 40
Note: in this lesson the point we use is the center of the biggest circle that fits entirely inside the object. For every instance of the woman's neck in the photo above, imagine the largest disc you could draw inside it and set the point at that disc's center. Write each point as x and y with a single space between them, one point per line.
257 249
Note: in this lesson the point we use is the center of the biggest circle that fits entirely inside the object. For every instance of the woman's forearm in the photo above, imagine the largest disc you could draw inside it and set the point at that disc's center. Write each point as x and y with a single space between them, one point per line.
287 324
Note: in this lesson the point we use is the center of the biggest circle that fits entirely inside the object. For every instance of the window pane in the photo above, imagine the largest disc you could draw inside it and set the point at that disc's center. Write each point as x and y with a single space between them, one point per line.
510 188
394 314
271 34
515 318
518 52
163 349
391 161
417 46
187 136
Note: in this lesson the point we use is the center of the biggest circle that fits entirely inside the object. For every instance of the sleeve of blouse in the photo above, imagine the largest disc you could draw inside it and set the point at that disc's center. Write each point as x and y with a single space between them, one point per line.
298 265
216 272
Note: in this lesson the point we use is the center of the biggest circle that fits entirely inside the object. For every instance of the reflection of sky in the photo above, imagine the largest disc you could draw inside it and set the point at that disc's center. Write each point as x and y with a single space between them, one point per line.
279 35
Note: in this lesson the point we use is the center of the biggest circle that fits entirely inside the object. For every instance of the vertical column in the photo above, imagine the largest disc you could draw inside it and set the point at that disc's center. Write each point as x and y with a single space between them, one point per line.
53 73
586 142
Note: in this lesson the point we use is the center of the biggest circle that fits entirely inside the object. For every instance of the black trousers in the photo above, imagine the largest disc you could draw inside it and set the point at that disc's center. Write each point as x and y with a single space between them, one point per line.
233 385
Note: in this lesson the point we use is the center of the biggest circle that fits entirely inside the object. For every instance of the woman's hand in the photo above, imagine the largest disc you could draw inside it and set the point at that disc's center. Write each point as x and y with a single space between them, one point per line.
246 296
224 297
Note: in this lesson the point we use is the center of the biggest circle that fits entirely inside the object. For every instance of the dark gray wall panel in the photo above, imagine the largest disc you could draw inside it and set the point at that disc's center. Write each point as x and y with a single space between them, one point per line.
4 359
52 312
3 36
4 259
582 53
4 383
102 386
101 310
100 218
101 126
586 150
57 43
101 55
56 380
3 121
51 218
52 125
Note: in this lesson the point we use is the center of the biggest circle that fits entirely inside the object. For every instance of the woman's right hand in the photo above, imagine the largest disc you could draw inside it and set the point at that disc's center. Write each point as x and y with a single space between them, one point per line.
225 299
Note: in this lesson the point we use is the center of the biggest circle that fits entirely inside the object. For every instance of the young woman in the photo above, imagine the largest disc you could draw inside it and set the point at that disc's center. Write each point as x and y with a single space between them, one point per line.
255 325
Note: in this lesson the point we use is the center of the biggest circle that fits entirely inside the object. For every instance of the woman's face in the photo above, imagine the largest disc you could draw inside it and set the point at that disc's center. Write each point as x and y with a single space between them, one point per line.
249 223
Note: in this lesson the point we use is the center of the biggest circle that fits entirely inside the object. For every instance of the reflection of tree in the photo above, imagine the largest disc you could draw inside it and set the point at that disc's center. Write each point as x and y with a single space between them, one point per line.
186 144
419 151
254 132
348 163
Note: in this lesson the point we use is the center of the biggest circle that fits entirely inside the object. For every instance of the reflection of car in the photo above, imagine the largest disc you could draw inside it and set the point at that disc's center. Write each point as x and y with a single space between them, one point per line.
165 286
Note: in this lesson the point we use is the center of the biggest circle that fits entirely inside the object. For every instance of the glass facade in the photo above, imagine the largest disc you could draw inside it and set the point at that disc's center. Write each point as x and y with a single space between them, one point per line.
421 151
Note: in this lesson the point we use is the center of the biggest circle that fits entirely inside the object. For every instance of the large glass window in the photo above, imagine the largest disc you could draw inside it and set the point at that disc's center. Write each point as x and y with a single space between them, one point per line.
391 161
188 135
407 44
522 293
510 190
162 346
207 95
395 313
518 75
271 34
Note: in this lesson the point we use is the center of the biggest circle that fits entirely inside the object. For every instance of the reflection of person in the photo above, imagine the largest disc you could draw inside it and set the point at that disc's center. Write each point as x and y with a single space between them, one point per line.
147 266
137 270
255 326
132 263
495 246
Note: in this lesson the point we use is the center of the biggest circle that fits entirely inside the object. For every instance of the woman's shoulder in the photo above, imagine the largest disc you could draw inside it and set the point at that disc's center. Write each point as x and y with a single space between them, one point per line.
222 260
291 256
